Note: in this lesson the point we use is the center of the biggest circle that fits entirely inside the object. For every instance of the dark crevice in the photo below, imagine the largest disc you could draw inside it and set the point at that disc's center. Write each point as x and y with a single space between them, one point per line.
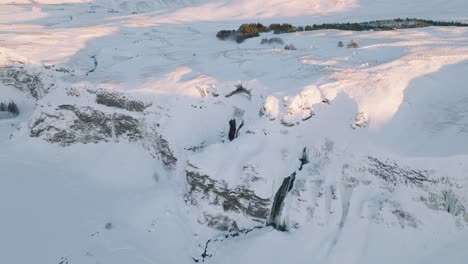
205 252
233 129
95 62
304 158
240 126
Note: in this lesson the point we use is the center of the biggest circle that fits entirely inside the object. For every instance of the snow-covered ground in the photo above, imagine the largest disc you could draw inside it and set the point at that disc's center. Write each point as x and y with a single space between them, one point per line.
120 153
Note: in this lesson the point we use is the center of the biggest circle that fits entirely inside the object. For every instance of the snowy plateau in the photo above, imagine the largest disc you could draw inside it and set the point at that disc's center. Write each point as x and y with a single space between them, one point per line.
139 137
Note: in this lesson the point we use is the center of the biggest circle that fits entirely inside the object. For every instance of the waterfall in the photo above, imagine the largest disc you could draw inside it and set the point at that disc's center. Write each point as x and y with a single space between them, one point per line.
278 202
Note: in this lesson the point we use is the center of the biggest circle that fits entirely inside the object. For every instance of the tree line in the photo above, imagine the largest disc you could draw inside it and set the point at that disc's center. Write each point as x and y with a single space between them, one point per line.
246 31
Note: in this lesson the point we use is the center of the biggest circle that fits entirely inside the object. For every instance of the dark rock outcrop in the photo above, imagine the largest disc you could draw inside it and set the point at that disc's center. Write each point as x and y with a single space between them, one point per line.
159 147
84 125
393 173
220 222
240 199
114 99
23 80
447 201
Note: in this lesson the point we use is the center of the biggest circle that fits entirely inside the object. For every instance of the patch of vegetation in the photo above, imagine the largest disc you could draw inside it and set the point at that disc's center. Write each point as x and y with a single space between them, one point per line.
114 99
270 41
290 47
108 226
284 28
11 107
246 31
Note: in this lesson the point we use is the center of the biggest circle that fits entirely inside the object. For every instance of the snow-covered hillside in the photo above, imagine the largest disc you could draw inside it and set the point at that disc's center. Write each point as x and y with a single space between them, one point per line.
142 138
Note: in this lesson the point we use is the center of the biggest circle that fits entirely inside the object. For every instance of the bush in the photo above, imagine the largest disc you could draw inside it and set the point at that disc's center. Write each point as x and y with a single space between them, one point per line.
225 34
108 226
272 41
249 29
12 108
290 47
262 29
274 26
352 45
284 28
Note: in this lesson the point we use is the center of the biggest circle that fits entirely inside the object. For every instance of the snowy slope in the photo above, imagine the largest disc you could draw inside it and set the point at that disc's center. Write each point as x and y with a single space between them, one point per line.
121 154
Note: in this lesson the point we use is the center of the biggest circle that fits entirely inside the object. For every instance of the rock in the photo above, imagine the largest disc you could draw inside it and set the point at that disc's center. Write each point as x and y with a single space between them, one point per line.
392 173
239 201
159 147
447 201
406 219
71 124
23 80
270 108
361 121
114 99
220 222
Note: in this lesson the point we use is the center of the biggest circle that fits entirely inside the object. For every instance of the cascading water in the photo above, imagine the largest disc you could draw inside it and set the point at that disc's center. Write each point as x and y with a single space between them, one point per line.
278 202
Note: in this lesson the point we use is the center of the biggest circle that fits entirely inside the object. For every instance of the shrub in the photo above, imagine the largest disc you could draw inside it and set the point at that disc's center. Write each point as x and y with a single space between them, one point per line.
12 108
225 34
249 29
352 44
290 47
274 26
108 226
284 28
262 29
272 41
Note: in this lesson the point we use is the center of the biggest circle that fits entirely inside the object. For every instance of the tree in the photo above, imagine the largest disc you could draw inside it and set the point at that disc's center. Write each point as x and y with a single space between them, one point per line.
249 29
12 108
2 107
225 34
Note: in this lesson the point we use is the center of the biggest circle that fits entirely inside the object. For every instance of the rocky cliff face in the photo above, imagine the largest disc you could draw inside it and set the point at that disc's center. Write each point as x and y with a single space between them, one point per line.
245 193
23 79
223 207
71 124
